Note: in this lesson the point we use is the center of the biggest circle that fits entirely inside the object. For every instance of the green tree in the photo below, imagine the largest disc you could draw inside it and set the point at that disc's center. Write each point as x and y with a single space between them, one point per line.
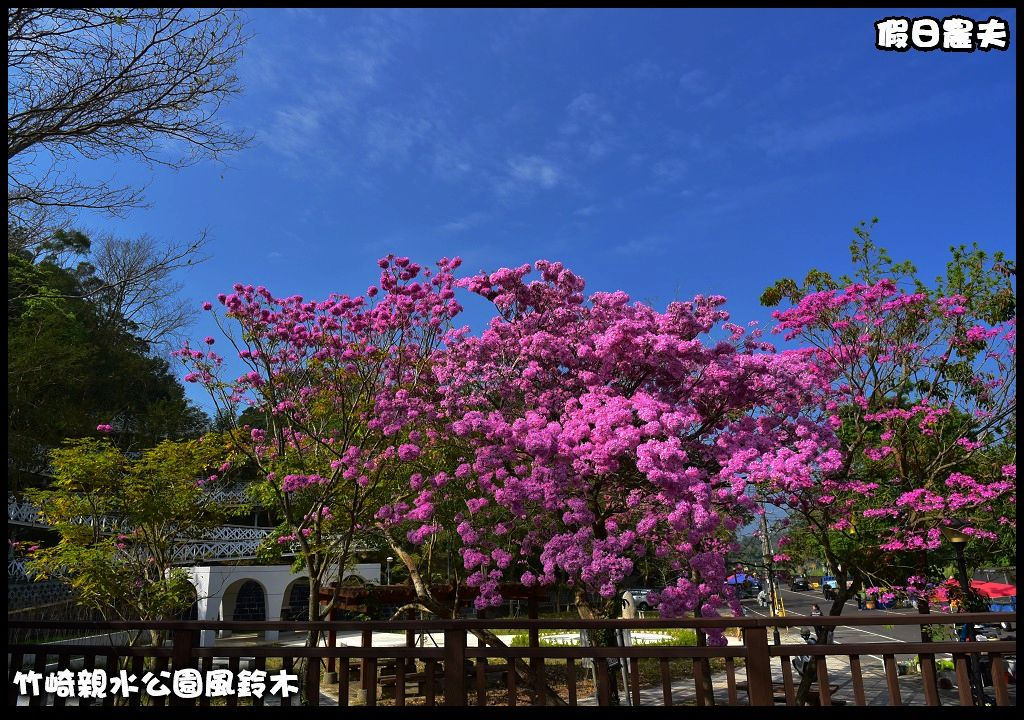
119 521
72 367
922 392
921 455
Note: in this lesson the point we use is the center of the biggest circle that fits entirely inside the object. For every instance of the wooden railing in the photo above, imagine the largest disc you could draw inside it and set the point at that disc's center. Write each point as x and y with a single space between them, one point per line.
457 672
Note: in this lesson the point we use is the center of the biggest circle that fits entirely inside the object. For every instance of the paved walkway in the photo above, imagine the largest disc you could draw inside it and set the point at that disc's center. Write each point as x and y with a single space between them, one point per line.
683 692
876 689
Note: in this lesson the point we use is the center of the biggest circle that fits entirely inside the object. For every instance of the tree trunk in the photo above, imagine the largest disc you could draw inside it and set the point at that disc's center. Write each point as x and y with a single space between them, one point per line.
822 638
311 673
810 674
600 638
703 668
922 602
840 600
425 601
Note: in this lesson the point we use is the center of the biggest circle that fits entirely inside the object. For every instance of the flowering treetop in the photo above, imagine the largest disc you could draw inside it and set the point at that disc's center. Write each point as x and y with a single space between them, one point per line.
595 432
321 390
920 386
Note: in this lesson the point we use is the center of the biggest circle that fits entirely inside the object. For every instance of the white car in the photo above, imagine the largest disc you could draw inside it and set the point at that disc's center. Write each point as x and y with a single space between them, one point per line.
640 598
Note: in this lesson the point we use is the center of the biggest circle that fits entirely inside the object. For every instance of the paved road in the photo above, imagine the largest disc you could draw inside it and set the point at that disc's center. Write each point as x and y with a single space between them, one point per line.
799 603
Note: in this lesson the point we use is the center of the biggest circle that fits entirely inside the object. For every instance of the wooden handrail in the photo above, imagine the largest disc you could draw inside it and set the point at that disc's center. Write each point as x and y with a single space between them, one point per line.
514 624
898 648
450 669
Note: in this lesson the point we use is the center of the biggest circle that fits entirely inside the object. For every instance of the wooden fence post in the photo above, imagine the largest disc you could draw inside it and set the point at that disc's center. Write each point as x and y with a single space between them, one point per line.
759 666
455 667
182 643
410 642
536 663
368 672
332 642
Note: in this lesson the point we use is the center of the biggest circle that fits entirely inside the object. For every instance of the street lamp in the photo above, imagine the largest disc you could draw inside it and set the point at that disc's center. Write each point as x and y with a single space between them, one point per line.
390 560
958 540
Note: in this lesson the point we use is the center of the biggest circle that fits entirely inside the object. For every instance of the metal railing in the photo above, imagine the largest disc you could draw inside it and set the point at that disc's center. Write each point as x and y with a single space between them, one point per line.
224 542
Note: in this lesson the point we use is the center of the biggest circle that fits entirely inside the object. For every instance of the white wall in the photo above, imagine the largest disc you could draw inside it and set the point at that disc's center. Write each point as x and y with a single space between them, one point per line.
217 586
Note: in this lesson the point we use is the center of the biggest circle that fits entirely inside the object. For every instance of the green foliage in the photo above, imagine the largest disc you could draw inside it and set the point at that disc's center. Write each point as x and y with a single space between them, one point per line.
986 285
919 459
71 367
871 264
154 499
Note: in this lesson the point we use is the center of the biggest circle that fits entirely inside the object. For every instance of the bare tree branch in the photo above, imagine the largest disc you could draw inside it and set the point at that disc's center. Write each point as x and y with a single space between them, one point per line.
90 83
136 283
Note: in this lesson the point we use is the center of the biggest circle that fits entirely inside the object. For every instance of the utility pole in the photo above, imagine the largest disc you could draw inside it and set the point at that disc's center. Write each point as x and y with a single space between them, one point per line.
766 555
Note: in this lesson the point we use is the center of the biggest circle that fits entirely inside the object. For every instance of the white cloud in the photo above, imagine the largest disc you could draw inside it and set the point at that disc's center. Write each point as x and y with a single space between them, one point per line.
328 87
824 131
533 171
586 128
465 223
716 98
640 246
584 103
390 136
693 81
293 131
670 169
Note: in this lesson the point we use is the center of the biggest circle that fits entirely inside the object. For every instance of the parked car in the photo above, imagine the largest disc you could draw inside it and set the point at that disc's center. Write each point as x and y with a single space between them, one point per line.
799 583
746 585
640 598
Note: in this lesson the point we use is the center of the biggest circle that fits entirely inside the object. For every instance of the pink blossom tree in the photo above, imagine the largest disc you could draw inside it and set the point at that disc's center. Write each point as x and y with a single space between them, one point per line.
336 385
920 386
597 432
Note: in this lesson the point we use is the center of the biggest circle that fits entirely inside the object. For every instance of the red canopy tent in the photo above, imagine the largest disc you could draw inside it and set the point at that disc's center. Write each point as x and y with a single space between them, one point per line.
982 587
994 589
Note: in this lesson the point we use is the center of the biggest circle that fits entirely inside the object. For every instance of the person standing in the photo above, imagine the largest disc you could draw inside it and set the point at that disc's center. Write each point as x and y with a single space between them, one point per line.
821 631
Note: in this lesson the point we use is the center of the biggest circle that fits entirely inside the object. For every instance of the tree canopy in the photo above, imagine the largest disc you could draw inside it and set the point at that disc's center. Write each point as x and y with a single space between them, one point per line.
73 364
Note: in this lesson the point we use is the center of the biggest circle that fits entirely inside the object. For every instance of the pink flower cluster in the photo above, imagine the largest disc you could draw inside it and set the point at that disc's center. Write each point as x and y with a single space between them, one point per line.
930 379
603 431
576 436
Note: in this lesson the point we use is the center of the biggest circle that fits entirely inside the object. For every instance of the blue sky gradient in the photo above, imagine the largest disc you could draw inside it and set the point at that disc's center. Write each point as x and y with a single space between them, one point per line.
665 153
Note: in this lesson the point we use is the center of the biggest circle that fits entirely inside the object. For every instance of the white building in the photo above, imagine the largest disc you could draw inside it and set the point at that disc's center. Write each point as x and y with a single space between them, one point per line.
257 592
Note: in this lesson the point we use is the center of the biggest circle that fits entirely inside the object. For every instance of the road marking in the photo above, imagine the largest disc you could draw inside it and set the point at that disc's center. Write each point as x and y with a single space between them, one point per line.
887 637
848 627
822 597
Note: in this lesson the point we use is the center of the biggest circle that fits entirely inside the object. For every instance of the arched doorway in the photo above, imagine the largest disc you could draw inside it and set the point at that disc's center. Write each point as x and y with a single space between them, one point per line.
296 601
244 600
250 602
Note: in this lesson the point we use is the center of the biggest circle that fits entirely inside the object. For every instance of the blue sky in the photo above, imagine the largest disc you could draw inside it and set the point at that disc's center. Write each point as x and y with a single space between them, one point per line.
664 153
